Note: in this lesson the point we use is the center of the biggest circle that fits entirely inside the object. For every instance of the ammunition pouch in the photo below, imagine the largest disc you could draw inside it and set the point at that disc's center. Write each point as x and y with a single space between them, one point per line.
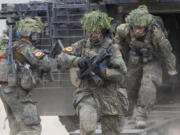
27 81
3 70
136 45
134 59
12 75
146 55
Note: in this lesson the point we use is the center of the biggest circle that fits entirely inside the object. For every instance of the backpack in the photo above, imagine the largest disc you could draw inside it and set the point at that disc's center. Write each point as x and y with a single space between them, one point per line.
157 21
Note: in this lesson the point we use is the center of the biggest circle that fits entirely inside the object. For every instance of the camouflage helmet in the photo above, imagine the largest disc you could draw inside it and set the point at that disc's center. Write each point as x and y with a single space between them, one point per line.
95 21
25 27
139 17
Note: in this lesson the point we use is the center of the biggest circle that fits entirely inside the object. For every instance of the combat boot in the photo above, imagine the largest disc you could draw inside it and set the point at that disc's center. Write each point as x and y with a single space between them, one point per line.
140 124
140 117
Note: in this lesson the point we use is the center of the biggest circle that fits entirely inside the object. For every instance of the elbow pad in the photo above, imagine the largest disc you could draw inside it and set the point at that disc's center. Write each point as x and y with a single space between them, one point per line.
114 75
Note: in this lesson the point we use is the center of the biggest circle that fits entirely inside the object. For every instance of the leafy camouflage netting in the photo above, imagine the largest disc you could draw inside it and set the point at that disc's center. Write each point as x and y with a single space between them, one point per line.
139 17
95 21
28 25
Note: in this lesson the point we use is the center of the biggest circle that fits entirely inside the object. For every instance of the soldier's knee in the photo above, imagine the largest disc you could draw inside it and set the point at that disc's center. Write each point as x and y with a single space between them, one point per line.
88 118
30 115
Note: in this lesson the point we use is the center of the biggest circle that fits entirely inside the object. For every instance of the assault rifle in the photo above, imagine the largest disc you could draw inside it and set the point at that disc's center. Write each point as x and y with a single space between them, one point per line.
12 77
55 50
89 71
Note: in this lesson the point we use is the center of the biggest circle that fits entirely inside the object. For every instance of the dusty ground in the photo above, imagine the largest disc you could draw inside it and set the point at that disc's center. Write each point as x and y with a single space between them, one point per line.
50 124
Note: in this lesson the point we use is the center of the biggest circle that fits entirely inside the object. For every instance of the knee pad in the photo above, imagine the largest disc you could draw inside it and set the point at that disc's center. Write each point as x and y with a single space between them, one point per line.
30 115
88 118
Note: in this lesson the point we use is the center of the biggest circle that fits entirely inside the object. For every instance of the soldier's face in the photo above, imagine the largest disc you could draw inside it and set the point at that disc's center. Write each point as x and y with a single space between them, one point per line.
139 31
95 37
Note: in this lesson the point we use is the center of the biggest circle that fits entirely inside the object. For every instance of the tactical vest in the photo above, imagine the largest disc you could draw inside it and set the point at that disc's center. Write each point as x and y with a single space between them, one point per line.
3 67
142 48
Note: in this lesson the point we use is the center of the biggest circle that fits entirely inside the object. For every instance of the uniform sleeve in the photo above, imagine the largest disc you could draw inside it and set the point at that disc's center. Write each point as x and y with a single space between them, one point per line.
36 57
77 48
121 32
160 41
118 67
70 57
67 61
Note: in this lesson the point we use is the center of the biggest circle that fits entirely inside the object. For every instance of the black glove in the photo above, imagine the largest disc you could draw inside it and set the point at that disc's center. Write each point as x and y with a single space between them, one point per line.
83 62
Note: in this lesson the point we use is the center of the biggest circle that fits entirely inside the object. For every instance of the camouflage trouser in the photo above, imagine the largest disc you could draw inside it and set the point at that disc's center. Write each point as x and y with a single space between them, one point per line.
142 83
21 111
89 116
151 79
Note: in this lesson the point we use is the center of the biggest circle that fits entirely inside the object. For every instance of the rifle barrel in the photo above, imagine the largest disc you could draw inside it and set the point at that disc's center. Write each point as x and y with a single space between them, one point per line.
61 45
10 54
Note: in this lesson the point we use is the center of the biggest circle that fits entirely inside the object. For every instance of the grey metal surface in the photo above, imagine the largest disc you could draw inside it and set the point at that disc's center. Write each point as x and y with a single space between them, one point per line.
135 1
55 98
169 7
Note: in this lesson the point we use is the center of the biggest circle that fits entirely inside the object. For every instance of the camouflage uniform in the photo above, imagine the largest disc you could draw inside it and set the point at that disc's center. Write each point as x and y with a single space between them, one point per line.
21 110
145 56
107 102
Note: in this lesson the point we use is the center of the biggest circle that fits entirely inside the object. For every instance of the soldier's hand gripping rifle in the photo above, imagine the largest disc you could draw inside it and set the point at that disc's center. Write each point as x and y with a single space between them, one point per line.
88 71
55 50
12 76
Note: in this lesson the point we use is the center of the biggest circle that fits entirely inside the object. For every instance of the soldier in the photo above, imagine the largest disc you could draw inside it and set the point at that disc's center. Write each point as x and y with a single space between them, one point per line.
105 102
148 46
16 89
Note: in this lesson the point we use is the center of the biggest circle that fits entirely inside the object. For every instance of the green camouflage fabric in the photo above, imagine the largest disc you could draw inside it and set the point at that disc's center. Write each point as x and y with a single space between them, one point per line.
145 59
20 108
27 53
139 17
111 125
110 99
95 21
3 61
25 27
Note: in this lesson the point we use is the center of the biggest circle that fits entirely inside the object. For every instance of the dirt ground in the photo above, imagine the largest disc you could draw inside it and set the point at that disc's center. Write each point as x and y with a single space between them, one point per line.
50 124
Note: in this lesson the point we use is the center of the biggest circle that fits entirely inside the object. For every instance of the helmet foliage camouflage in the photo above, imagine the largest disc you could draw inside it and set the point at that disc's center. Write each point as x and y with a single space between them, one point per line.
25 27
139 17
95 21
